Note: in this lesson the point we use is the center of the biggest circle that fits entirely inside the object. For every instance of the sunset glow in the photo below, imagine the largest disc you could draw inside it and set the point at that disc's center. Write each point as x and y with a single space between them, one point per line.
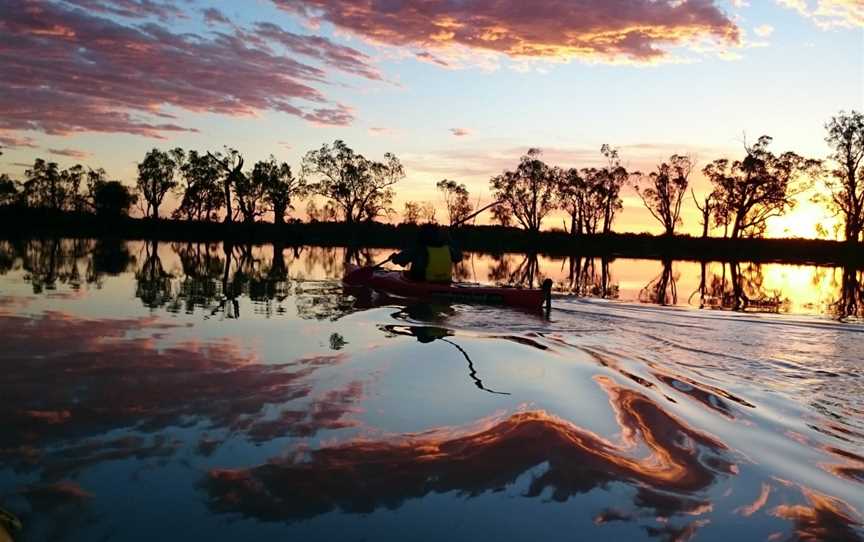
456 90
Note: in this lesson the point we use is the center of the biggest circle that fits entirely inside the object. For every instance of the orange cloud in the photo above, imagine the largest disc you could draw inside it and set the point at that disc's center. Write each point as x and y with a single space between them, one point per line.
636 30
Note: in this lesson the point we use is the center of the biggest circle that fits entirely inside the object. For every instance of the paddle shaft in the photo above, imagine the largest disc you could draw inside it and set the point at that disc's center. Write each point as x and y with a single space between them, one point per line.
474 214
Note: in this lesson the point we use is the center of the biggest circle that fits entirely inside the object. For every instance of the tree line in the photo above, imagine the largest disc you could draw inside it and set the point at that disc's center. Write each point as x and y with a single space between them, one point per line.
212 186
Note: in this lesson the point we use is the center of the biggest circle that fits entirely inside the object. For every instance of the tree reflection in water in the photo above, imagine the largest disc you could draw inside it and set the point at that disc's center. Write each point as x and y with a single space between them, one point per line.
589 277
662 290
525 274
214 277
849 305
153 283
739 289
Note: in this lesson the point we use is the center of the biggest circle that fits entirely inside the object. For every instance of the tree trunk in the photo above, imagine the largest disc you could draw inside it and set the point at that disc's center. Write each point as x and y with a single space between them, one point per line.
228 214
705 219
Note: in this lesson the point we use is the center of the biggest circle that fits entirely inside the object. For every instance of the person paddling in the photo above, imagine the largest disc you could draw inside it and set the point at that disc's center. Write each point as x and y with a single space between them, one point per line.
432 256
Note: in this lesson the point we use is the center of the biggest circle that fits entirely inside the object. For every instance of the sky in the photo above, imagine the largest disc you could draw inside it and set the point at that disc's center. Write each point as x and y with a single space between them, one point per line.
456 89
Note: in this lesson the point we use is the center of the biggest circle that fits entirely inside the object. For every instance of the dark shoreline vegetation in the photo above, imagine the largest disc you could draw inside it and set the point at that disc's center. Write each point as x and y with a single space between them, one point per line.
349 202
23 223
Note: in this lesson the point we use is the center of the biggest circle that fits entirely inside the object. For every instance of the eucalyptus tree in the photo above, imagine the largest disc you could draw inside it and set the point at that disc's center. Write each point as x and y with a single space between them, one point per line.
662 191
231 164
8 190
156 177
202 195
112 199
706 209
607 186
845 184
528 192
358 188
279 185
759 186
456 200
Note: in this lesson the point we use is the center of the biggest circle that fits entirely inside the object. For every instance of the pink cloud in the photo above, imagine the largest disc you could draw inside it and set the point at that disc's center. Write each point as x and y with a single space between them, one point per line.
320 48
66 70
71 153
213 16
460 132
13 142
639 30
380 131
131 9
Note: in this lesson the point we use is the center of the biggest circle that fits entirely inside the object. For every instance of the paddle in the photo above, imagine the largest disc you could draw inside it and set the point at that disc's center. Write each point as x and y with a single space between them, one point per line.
474 214
363 274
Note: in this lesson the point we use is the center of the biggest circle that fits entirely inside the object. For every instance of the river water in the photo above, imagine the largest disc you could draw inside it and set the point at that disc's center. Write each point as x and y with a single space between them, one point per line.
190 391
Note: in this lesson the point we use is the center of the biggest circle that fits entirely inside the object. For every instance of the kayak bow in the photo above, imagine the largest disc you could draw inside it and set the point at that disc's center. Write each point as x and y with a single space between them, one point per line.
395 282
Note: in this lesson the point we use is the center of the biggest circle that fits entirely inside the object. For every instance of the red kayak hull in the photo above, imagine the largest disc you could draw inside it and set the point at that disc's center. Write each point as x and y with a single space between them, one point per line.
395 283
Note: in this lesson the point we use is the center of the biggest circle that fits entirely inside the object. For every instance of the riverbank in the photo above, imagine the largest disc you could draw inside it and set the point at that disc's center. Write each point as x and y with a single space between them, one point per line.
24 223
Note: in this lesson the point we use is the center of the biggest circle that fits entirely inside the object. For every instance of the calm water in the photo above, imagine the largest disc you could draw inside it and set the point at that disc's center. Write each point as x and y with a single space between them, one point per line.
157 392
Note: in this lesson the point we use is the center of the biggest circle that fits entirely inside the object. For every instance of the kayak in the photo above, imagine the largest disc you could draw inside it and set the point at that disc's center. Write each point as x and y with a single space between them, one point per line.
396 283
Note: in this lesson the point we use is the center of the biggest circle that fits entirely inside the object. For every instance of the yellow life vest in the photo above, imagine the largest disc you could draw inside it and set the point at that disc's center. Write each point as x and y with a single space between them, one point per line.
439 265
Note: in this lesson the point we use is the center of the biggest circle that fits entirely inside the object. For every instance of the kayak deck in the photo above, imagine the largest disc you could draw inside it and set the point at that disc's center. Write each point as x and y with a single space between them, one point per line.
395 282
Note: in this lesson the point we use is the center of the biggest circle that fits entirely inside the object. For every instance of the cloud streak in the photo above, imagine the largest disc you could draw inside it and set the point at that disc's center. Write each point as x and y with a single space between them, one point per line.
829 13
635 30
70 153
67 70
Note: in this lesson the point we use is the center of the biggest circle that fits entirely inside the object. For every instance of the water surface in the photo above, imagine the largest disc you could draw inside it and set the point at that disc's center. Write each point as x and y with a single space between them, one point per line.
190 391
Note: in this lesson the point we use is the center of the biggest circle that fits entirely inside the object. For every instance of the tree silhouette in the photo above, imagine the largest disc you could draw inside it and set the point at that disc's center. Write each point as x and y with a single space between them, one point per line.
663 191
156 177
324 213
8 190
572 193
528 192
359 188
231 164
845 185
111 199
249 190
706 209
203 196
752 190
419 211
456 200
608 185
49 187
280 186
411 214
